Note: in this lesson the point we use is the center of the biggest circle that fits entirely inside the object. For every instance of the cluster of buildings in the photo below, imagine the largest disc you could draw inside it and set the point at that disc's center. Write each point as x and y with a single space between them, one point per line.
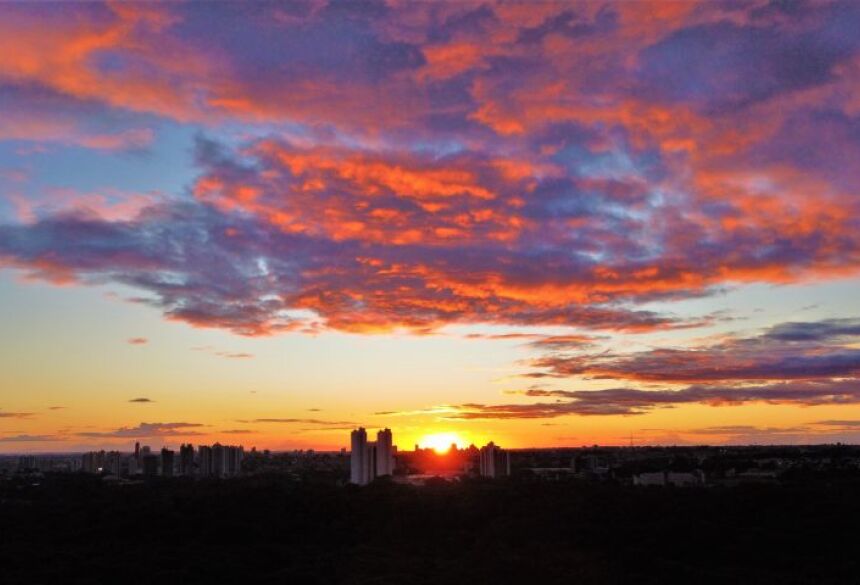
206 461
48 463
369 460
639 466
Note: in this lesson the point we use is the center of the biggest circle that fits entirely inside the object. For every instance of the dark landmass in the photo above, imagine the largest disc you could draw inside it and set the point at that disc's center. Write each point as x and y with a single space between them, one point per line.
273 528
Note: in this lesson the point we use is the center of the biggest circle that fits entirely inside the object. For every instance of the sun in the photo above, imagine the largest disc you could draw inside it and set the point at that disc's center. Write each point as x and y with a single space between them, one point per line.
441 442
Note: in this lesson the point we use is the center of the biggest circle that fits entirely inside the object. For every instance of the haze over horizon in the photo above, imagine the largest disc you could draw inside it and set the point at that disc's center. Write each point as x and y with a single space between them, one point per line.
542 224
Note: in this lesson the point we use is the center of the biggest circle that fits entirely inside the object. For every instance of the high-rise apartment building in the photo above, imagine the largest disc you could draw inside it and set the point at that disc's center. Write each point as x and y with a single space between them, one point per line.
370 460
186 459
494 461
113 463
133 465
167 458
204 461
358 468
384 453
93 462
220 460
234 456
150 463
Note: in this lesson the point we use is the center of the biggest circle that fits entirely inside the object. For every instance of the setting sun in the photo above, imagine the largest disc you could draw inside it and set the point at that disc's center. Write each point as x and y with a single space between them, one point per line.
441 442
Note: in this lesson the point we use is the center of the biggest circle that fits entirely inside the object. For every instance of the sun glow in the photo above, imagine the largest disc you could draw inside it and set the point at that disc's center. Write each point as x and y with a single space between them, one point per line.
441 442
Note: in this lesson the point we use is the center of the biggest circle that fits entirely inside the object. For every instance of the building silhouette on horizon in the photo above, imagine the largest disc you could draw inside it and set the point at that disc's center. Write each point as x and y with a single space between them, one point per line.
220 460
186 459
494 461
370 460
207 461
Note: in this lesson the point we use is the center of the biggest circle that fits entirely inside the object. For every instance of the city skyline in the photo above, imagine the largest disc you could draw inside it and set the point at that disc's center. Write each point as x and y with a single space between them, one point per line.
538 224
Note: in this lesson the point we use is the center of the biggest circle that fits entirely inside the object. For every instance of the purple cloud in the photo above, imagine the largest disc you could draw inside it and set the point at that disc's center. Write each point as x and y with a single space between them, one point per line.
30 438
788 351
417 166
633 401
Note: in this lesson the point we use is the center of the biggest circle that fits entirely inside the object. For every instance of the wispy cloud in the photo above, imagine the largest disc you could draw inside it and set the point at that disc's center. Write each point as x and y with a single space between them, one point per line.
6 414
841 424
156 429
223 354
634 401
309 421
30 438
787 351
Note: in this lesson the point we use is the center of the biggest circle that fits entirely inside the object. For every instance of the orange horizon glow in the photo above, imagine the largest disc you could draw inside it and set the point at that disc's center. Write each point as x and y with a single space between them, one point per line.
441 442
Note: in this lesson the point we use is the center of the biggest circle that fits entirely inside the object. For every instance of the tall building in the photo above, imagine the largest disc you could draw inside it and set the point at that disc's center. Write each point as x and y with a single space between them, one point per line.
167 458
133 466
370 460
149 463
186 459
384 453
219 460
358 467
495 461
113 463
204 461
93 462
233 457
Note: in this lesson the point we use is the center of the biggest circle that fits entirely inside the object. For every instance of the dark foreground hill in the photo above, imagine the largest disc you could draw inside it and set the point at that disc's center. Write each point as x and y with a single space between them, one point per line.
74 529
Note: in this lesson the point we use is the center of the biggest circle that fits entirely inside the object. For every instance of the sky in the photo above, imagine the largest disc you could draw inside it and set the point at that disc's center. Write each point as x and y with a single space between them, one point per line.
543 224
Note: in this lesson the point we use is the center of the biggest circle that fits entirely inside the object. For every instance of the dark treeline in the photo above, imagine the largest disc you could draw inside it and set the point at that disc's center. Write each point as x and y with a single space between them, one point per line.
75 529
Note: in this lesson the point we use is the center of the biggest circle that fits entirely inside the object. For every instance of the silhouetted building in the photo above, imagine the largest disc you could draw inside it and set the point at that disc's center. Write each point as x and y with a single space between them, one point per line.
233 457
220 460
149 463
359 468
384 453
133 465
204 461
167 457
93 462
113 463
494 461
186 459
370 460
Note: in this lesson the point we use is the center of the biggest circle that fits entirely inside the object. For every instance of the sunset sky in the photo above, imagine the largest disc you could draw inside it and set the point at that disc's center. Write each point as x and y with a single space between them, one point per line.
541 224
